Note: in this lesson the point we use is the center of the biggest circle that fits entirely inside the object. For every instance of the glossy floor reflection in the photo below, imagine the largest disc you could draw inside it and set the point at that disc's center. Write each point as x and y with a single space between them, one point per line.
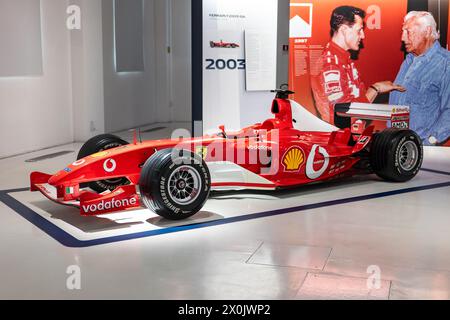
321 253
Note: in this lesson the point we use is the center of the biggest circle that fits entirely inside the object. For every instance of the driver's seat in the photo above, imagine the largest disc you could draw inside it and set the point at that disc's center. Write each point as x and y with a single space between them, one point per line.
271 124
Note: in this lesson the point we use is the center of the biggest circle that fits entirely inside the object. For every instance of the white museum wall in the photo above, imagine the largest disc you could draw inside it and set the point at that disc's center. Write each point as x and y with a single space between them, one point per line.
140 98
181 61
128 96
162 63
87 72
173 72
282 39
79 93
36 111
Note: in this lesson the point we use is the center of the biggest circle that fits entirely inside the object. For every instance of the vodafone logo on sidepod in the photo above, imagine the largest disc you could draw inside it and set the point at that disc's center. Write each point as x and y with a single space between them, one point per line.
109 165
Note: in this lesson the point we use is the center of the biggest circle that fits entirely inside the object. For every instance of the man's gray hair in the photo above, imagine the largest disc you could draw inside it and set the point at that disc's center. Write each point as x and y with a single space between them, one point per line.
425 19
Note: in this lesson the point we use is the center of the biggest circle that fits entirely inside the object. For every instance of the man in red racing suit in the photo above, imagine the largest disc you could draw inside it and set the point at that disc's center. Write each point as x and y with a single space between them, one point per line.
338 80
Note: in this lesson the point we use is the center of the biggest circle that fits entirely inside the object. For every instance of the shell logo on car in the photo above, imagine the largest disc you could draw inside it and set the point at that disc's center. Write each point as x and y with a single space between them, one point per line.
202 151
293 159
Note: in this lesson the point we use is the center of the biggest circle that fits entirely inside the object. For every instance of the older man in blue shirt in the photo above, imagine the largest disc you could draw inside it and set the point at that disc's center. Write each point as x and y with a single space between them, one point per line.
425 74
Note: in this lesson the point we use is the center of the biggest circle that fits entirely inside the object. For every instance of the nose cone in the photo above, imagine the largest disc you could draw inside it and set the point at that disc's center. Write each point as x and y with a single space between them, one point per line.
55 179
69 172
60 176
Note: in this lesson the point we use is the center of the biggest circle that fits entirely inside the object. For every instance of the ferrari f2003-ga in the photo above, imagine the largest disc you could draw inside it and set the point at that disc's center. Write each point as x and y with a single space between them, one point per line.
174 177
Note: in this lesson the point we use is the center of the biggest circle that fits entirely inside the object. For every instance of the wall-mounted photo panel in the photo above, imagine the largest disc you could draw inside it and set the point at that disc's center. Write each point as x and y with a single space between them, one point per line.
261 58
238 76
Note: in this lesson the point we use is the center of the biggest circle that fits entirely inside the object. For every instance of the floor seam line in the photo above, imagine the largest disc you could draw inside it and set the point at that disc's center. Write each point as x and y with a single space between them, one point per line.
254 252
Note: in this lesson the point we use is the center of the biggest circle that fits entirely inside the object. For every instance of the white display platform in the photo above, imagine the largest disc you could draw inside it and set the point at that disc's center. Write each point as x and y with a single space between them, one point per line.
222 207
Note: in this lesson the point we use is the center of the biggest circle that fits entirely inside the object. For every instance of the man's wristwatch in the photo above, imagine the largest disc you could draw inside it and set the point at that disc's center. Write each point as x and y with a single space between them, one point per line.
375 88
432 140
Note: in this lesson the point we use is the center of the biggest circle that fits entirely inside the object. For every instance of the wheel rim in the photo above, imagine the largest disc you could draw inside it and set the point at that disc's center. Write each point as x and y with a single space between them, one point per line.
408 156
184 185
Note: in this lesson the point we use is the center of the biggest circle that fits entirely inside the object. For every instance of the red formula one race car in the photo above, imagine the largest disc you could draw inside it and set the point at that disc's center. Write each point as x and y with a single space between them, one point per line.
174 177
222 44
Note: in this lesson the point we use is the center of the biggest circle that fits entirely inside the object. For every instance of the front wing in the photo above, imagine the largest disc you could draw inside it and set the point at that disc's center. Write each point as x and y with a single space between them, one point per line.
89 203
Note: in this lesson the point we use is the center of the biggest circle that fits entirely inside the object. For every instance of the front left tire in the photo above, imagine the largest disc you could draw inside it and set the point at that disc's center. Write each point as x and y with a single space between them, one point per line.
175 184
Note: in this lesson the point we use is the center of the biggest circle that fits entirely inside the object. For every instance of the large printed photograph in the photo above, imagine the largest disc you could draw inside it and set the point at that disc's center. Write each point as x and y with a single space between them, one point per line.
371 52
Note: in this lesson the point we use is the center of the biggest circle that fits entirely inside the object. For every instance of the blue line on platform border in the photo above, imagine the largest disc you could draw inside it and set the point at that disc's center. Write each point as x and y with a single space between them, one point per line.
68 240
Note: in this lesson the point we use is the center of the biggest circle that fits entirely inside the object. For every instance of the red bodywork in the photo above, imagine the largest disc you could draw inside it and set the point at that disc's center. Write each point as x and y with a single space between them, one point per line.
281 157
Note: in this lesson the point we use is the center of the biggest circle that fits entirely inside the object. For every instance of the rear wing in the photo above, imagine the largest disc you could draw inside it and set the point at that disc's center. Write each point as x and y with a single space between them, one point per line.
397 115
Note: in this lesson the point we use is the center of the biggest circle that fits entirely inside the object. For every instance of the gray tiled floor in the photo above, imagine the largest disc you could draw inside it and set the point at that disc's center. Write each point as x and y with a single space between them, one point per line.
325 286
305 257
278 257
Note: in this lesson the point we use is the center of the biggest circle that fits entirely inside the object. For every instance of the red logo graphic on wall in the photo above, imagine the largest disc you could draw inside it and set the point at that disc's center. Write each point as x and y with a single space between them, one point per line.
300 25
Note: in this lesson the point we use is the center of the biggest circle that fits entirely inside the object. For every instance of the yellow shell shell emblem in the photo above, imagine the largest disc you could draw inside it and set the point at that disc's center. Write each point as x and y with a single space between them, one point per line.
293 159
202 151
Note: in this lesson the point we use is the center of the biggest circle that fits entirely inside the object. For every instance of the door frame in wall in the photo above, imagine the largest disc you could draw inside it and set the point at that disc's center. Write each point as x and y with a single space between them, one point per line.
197 67
169 55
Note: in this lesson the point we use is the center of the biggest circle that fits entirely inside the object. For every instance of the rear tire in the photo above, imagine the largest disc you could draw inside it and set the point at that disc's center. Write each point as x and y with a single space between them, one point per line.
175 184
396 155
100 143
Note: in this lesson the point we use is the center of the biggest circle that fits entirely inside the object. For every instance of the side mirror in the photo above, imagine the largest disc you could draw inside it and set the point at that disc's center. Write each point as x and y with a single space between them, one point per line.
222 129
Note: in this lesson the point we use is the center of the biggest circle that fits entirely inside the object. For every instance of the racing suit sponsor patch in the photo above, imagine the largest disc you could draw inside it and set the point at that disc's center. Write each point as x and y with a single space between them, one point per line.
332 81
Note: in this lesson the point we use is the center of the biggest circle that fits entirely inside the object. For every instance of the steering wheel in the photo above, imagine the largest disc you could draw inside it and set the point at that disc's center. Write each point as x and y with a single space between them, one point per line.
282 94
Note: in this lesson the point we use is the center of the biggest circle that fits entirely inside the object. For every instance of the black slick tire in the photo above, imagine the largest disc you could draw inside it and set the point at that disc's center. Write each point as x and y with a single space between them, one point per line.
175 184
